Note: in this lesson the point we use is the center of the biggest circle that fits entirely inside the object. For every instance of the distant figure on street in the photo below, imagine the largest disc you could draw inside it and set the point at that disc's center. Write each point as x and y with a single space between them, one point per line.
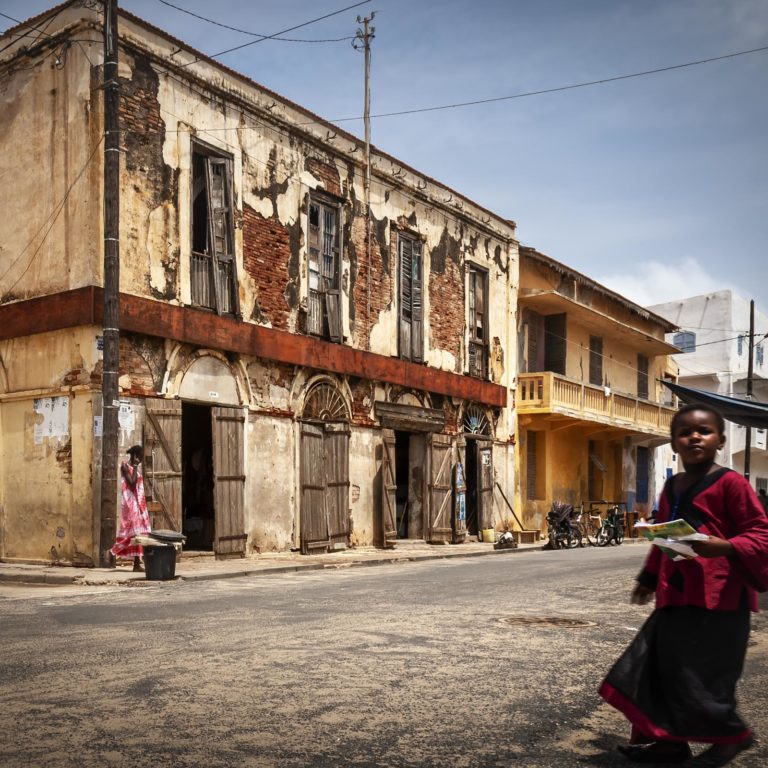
763 498
676 682
134 518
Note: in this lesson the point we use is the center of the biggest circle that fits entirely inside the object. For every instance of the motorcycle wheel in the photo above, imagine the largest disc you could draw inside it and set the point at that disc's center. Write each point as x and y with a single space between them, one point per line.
574 539
603 537
619 535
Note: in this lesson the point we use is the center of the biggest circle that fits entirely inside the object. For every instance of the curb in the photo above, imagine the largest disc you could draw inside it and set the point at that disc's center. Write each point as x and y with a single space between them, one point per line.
85 579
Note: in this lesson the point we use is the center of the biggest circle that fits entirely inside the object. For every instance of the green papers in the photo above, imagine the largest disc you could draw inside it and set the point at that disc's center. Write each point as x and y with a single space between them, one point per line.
671 537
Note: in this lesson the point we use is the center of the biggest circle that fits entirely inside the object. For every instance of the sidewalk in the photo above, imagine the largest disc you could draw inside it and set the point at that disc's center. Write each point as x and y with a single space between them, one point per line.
205 568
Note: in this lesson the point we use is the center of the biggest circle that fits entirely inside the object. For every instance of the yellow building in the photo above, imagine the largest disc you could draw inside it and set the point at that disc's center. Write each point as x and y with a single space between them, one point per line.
590 407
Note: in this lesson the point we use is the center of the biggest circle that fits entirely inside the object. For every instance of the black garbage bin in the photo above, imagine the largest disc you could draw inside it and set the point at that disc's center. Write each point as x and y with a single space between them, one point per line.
159 562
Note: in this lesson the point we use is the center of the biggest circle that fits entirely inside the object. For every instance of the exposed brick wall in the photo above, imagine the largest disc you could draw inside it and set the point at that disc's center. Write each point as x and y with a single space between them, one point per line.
381 282
143 360
266 255
446 299
327 173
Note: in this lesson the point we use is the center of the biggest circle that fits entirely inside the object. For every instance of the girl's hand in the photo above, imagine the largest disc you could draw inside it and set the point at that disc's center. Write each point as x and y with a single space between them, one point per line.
640 595
712 547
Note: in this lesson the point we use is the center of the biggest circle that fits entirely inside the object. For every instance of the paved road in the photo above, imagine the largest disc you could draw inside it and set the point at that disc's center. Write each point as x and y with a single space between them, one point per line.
444 663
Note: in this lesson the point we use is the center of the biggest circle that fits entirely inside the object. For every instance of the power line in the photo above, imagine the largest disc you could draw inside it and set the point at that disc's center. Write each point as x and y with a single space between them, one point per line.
253 34
557 89
271 37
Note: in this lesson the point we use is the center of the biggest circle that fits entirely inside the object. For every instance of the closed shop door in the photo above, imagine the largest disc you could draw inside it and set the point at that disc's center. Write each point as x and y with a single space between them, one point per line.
336 449
439 527
162 462
229 480
485 483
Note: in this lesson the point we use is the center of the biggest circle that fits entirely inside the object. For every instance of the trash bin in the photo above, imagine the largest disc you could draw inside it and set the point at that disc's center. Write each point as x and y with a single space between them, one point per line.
159 562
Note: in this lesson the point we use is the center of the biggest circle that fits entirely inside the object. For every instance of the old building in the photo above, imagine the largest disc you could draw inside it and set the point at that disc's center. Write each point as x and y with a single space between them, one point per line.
589 403
304 370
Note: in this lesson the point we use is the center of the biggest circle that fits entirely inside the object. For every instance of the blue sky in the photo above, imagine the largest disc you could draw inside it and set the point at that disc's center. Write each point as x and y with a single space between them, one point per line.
656 186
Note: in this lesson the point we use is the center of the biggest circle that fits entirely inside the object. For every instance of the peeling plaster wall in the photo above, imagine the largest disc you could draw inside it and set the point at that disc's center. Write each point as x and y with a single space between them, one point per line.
50 231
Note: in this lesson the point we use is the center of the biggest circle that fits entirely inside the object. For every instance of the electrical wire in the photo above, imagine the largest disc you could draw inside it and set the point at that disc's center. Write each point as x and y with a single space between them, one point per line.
557 89
49 222
271 37
253 34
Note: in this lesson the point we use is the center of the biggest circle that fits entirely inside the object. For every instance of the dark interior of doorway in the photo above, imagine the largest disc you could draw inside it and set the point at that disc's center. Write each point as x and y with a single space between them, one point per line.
470 478
402 462
197 477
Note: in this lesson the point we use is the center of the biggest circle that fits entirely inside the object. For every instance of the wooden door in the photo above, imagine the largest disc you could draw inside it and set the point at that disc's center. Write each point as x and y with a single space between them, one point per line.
439 527
162 462
388 489
314 515
228 431
336 462
484 484
459 495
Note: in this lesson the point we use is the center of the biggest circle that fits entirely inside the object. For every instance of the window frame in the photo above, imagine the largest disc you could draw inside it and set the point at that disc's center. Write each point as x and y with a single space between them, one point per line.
207 265
596 361
324 319
477 347
643 366
410 330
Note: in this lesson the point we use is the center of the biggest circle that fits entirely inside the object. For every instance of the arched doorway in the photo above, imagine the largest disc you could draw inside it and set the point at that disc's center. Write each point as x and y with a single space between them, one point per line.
478 468
324 470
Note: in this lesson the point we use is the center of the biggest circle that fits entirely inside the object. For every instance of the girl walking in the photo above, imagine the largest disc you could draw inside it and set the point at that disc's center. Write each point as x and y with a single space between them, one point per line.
676 682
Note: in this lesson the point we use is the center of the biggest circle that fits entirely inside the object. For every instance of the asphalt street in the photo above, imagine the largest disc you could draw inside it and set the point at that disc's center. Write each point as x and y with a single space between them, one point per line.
486 661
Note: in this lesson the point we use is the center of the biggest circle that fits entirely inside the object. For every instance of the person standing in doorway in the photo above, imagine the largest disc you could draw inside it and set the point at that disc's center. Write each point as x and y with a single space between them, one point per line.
676 682
134 517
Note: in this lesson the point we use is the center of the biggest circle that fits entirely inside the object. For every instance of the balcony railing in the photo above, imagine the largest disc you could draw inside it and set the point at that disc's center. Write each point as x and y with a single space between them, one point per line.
551 393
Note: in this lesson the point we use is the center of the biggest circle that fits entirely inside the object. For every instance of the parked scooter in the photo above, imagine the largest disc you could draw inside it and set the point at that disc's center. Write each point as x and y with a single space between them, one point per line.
563 526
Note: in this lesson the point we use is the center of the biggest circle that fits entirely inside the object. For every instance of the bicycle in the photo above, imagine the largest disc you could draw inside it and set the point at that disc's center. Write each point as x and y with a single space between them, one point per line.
612 526
591 521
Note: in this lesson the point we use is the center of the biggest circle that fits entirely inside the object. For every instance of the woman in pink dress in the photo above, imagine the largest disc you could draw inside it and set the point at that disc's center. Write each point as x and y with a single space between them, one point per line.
134 518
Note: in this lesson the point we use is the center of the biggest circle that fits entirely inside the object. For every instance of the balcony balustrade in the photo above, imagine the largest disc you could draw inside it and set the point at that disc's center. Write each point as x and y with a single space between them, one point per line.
547 392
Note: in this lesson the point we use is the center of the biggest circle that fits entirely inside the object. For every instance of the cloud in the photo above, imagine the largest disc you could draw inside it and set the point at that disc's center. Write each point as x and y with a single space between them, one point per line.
654 282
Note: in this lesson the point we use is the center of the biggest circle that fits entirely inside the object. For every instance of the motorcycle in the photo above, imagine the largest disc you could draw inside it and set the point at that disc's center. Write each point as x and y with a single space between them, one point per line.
563 528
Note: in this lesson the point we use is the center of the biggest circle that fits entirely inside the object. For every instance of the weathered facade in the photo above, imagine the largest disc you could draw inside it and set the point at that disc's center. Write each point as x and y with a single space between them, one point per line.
590 407
304 370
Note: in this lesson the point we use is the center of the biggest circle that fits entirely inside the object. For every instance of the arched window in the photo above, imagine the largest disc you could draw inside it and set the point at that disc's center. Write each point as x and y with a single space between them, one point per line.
325 403
476 422
685 341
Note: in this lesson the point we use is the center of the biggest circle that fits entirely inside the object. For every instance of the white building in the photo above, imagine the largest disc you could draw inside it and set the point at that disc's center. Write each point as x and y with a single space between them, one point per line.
714 337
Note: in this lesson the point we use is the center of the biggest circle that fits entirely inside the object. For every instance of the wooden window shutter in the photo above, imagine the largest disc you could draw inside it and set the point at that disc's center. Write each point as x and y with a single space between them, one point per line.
642 377
554 343
596 361
405 247
417 309
530 466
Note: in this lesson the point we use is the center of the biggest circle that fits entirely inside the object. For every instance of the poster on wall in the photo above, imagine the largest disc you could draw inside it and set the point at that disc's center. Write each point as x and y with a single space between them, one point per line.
55 417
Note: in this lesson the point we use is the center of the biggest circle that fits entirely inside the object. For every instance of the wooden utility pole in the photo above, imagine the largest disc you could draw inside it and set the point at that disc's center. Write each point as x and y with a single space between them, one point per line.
111 338
362 40
750 371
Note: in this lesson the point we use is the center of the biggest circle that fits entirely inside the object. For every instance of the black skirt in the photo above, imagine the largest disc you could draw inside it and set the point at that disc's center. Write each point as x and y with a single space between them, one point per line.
677 679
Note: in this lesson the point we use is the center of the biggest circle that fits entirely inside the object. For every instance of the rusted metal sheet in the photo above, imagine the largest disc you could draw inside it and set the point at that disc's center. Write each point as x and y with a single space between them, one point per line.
229 480
192 326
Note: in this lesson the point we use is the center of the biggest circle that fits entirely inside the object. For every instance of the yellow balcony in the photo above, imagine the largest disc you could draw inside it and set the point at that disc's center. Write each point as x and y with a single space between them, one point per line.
550 393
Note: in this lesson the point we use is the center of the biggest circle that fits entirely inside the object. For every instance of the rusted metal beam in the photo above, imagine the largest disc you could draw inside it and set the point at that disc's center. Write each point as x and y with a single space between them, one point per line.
83 306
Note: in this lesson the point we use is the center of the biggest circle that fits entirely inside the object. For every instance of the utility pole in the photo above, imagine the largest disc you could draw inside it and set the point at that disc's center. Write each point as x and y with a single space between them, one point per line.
362 40
750 370
111 337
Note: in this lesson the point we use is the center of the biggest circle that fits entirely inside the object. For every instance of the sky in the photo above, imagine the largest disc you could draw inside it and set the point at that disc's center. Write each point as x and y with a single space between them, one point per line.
656 186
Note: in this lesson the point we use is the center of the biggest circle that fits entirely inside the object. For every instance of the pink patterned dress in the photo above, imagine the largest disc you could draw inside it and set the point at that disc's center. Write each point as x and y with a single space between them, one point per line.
134 518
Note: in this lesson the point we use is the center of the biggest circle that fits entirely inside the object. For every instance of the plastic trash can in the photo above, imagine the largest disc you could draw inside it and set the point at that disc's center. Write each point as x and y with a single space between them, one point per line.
159 562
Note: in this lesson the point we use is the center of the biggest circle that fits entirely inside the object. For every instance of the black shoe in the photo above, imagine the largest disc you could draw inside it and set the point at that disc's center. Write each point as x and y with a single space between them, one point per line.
720 754
657 752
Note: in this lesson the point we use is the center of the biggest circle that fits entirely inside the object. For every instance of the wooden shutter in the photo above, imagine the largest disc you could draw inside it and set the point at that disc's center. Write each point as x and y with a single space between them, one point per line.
162 462
229 480
220 222
439 528
596 361
484 483
333 313
459 496
554 343
388 489
417 307
314 516
336 464
642 377
641 481
530 465
411 300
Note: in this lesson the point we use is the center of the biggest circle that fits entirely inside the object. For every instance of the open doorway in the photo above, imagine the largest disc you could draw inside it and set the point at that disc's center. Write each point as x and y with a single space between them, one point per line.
197 499
470 470
410 459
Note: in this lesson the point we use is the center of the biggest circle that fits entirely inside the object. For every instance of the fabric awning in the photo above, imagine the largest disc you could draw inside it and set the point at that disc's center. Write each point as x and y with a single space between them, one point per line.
748 413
